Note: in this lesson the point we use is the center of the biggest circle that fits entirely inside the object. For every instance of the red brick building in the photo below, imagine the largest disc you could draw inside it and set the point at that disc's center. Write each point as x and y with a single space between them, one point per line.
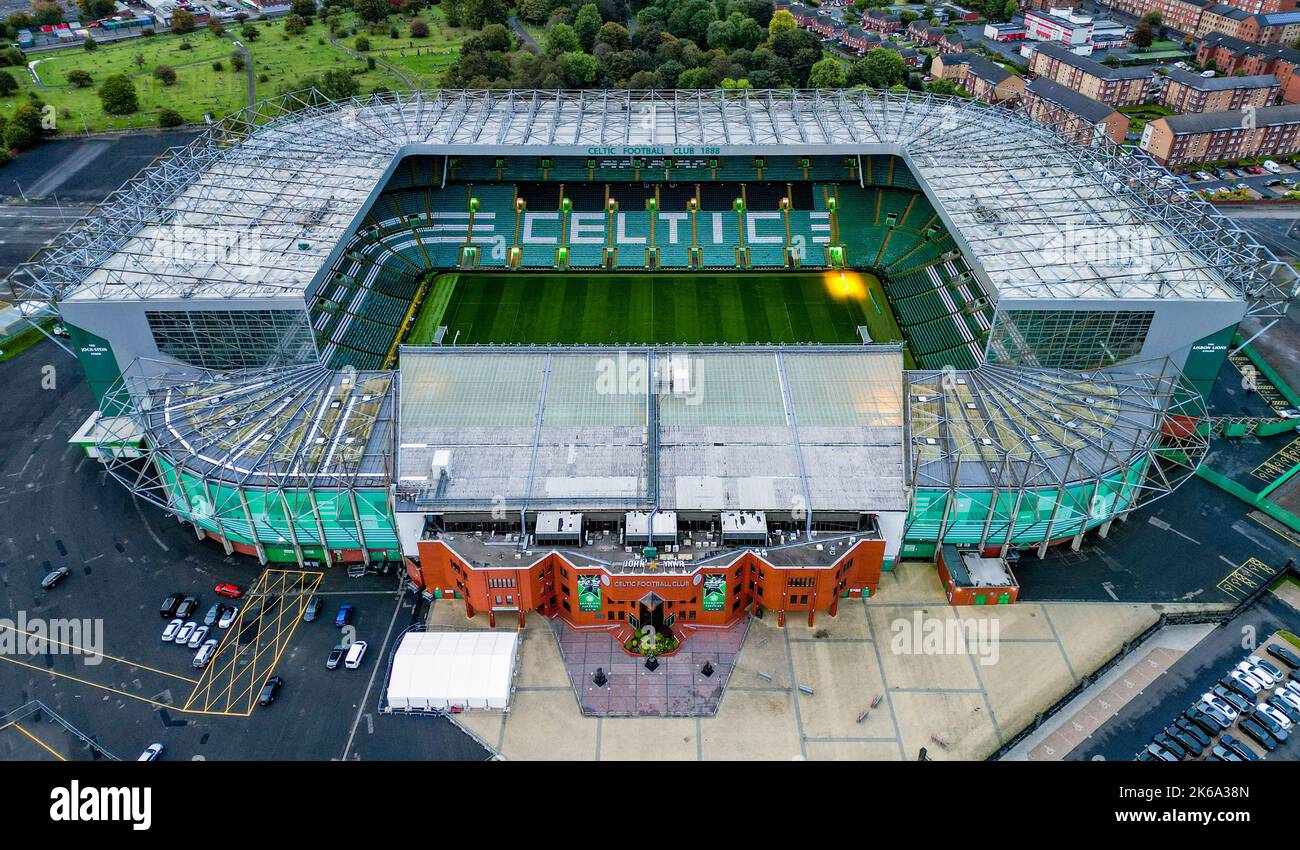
1223 136
1080 119
1188 91
1234 56
1115 86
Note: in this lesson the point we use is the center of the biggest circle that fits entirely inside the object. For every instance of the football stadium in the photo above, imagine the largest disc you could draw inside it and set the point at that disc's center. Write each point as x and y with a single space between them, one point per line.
650 358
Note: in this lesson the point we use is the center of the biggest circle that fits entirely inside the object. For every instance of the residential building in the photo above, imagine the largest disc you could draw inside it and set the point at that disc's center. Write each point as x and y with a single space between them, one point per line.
1188 91
1116 86
1081 119
1223 136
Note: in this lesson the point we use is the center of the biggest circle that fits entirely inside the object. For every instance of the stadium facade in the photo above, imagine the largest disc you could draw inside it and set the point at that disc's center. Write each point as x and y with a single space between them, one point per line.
272 319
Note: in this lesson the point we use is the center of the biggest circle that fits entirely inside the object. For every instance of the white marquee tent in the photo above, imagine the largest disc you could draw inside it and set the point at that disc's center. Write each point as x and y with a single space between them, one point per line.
442 670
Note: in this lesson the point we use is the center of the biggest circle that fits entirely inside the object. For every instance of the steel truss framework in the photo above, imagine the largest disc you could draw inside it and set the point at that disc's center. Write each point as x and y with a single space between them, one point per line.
226 451
258 204
1134 433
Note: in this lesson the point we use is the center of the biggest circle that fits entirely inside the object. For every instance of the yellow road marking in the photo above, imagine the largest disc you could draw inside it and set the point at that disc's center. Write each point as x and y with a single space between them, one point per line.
85 651
272 635
47 747
1246 577
79 680
1285 535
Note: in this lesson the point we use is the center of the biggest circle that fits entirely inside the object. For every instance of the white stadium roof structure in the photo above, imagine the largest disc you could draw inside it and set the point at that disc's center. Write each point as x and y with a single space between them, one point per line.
261 204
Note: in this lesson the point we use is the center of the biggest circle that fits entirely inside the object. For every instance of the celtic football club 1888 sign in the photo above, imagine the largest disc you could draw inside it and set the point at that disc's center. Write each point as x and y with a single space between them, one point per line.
588 593
715 592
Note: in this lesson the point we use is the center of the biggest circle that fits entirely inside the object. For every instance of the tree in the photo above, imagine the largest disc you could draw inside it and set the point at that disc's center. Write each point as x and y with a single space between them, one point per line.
579 69
117 95
165 74
182 21
879 69
47 14
587 26
362 44
782 21
735 32
237 61
827 74
614 35
374 11
95 9
24 129
338 84
8 85
305 9
695 78
1142 35
215 27
561 39
419 29
249 32
90 45
534 11
295 24
170 118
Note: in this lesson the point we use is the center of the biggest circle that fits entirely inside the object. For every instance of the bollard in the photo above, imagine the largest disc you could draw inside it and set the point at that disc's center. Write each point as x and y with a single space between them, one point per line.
806 689
766 677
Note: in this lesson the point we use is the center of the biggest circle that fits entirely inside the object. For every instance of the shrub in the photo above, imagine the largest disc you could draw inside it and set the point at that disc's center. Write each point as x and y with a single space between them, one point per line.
117 95
8 85
165 74
419 29
79 78
170 118
237 61
362 44
217 66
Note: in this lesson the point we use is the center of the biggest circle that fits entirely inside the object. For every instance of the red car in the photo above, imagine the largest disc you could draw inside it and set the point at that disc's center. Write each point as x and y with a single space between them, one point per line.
231 590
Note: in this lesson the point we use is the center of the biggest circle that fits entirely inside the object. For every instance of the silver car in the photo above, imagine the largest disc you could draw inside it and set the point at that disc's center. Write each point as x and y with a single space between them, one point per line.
169 633
196 640
183 636
204 655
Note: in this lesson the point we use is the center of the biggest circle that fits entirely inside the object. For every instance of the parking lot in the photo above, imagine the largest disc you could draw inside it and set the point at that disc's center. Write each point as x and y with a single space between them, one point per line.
1244 178
115 680
1163 699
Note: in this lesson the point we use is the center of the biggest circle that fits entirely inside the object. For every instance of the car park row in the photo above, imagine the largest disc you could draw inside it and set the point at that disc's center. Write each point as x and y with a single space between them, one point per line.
1255 696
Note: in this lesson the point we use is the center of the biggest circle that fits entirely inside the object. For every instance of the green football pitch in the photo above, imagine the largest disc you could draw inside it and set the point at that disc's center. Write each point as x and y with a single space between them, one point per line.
686 308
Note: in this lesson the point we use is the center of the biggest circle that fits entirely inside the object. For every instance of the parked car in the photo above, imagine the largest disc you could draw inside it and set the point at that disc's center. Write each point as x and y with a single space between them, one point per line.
344 615
1224 753
1203 721
1188 727
1258 733
1286 707
1285 695
1186 741
1246 681
1232 698
1268 667
356 652
214 614
1281 653
1272 167
183 635
1171 745
1239 747
151 753
229 590
1219 716
1273 720
1237 688
335 656
169 605
1221 705
187 607
227 618
169 633
1264 677
270 690
204 655
1145 755
54 577
1160 752
312 611
196 640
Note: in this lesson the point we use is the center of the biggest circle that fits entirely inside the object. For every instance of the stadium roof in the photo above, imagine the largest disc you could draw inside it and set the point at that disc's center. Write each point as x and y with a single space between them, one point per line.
1005 428
694 428
301 426
260 205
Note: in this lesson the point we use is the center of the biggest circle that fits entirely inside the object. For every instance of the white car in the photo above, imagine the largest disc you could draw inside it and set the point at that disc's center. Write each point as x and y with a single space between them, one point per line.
1289 413
1271 166
1221 704
1261 675
355 653
1293 686
169 633
1247 681
228 617
183 636
196 640
151 752
204 655
1282 719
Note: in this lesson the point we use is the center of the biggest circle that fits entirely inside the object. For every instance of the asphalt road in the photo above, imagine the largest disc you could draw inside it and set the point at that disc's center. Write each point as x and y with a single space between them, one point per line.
58 508
1154 708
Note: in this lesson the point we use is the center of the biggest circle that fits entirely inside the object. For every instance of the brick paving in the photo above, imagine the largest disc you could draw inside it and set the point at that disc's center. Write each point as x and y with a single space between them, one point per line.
676 689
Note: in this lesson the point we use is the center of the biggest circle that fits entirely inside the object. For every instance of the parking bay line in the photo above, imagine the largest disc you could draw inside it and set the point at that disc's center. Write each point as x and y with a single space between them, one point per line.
46 746
84 651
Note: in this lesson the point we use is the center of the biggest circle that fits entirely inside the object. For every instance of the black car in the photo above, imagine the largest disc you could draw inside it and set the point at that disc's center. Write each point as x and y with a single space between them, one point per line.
1203 722
1233 698
335 656
1186 741
169 606
269 690
187 607
214 614
1285 707
1237 688
54 577
312 611
1239 747
1274 728
1259 733
1171 745
1195 731
1286 656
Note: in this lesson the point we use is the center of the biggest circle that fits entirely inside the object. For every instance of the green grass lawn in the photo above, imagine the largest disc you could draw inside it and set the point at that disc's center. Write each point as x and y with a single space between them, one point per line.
685 308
